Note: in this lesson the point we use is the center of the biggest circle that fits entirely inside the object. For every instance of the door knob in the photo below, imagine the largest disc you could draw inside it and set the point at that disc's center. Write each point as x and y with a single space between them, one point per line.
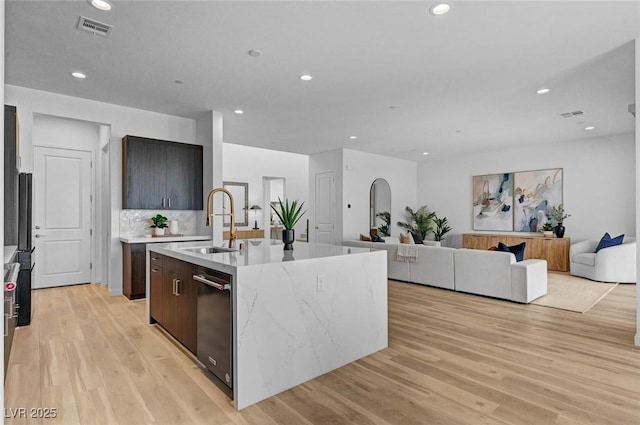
39 236
37 227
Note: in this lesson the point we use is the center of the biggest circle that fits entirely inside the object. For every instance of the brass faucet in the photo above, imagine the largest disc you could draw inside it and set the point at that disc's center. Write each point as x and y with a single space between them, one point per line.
232 224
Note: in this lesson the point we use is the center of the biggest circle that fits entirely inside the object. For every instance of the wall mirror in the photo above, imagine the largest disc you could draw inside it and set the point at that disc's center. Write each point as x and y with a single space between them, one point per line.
380 207
240 193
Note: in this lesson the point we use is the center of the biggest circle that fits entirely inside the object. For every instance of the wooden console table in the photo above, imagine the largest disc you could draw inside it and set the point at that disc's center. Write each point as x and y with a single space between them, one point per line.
554 250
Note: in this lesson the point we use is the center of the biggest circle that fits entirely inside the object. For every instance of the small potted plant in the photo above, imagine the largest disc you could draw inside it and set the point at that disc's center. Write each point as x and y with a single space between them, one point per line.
442 228
159 224
547 229
558 214
289 214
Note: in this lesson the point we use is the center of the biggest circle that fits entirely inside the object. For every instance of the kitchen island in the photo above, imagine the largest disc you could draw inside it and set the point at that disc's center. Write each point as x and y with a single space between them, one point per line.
293 315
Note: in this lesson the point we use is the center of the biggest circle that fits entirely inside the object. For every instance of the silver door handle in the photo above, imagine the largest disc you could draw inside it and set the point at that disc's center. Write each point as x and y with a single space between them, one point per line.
37 235
201 278
178 282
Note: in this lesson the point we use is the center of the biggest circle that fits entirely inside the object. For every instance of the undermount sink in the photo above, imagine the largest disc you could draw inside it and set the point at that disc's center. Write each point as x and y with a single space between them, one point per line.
209 249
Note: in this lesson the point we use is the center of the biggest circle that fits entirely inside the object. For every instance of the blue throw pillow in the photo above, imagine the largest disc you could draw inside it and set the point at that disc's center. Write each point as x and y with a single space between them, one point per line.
517 250
607 241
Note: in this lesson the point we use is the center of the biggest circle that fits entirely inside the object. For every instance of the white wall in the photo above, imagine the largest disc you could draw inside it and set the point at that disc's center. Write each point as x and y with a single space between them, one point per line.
360 170
598 185
122 121
355 172
251 165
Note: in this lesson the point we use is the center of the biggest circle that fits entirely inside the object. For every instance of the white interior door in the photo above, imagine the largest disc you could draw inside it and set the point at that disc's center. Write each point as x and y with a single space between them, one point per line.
325 207
62 216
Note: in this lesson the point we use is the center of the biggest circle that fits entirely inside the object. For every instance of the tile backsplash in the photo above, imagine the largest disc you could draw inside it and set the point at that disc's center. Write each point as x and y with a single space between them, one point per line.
136 222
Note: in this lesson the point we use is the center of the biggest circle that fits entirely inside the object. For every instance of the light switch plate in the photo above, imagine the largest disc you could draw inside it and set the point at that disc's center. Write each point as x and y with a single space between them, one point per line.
320 283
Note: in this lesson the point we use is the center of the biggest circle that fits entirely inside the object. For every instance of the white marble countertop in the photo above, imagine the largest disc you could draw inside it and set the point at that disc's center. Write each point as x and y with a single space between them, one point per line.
163 239
255 252
9 250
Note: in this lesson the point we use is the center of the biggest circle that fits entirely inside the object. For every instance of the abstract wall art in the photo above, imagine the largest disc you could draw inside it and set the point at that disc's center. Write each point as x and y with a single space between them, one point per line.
535 192
493 201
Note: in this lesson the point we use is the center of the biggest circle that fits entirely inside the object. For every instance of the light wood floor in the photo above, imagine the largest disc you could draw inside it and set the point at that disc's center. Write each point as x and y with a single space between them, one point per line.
452 359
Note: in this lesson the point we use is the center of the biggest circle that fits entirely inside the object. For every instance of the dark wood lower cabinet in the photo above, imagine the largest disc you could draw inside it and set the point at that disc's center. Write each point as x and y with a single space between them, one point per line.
174 299
133 270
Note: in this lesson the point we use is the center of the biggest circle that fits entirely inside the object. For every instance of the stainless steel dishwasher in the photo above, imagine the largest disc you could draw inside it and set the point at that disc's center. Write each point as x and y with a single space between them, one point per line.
215 344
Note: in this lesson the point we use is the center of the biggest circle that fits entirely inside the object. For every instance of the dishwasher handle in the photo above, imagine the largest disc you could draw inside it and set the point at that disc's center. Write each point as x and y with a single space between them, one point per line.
203 279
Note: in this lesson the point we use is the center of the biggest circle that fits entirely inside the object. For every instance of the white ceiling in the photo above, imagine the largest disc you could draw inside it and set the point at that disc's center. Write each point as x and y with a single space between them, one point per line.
401 80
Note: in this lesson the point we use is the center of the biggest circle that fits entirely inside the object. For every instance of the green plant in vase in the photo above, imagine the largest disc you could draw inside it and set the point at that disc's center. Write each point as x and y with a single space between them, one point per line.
547 229
289 214
442 228
159 224
420 220
558 214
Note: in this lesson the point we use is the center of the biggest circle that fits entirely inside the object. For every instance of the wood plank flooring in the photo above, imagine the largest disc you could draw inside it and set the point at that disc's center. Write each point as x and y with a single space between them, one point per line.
452 359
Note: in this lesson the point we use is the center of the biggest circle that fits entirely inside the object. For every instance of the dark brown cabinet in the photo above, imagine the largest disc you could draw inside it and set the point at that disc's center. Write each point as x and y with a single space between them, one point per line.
157 174
133 270
155 286
174 299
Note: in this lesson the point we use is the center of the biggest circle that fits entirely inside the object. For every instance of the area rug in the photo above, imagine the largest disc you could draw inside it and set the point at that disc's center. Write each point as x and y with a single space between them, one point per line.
567 292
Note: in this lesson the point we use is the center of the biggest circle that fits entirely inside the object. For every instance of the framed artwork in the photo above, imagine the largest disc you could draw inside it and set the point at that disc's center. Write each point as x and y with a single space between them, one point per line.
535 192
492 202
240 193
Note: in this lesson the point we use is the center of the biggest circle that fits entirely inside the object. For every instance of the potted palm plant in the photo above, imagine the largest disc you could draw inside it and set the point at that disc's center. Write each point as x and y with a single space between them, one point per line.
442 228
289 214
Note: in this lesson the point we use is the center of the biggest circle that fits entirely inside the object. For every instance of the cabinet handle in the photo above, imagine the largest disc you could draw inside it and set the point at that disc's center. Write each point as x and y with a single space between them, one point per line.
174 287
169 199
6 324
178 289
163 201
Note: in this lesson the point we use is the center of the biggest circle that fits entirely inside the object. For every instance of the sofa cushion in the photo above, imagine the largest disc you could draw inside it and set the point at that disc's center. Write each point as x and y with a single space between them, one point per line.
406 238
391 239
365 238
417 237
607 241
517 250
586 258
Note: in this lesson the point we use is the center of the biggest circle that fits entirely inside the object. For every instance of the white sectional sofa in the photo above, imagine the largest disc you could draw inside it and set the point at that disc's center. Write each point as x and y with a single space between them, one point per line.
434 266
497 274
491 273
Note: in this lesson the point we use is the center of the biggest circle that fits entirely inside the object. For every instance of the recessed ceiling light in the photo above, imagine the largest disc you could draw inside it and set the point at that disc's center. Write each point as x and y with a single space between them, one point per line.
178 81
353 137
425 153
589 128
543 91
306 77
255 53
238 111
101 5
440 8
79 75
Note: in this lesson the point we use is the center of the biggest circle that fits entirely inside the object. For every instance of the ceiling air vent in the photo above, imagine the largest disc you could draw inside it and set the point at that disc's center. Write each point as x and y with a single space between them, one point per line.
571 114
94 27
